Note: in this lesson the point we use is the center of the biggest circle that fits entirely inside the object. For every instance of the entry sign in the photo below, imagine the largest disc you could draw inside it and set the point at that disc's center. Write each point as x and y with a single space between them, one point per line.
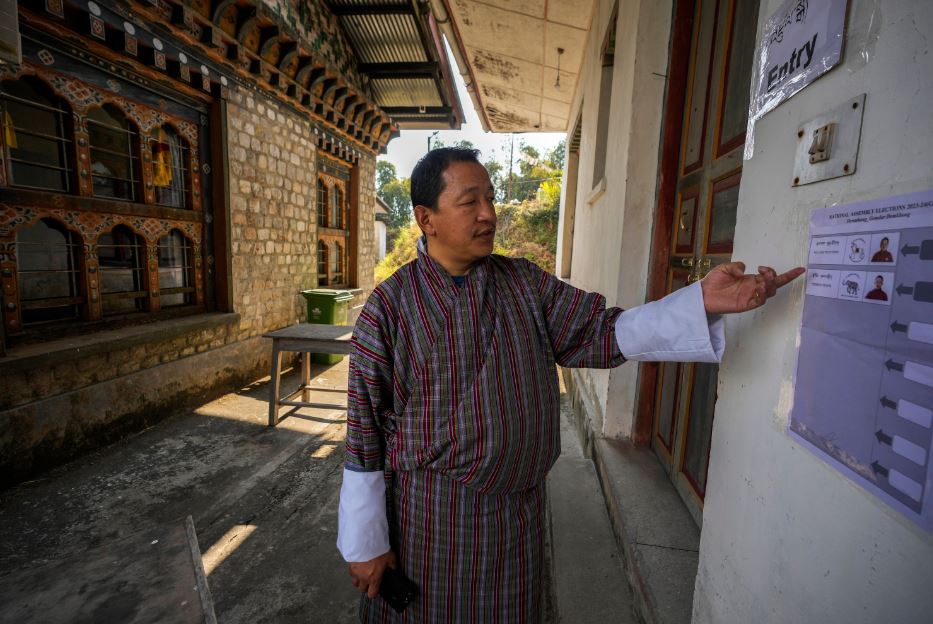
801 42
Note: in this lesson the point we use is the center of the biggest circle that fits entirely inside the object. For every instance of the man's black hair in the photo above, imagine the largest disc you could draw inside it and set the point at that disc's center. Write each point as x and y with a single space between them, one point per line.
427 180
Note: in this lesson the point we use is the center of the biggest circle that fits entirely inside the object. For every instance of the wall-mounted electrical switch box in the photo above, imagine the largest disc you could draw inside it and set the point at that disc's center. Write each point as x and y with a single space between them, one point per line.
827 145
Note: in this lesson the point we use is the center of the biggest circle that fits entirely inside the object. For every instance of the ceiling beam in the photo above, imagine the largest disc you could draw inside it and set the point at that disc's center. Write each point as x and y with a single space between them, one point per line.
409 111
373 9
398 70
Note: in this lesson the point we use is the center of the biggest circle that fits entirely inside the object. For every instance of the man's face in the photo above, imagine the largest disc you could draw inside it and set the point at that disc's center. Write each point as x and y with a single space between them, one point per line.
884 244
464 225
879 282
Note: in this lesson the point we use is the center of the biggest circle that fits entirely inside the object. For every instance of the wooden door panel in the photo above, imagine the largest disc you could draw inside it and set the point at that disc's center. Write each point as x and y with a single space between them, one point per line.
699 426
710 166
698 91
666 413
685 227
736 76
723 206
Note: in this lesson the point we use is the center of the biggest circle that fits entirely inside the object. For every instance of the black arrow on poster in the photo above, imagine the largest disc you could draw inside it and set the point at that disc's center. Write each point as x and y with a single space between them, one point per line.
892 365
883 438
886 402
922 291
879 469
898 327
924 250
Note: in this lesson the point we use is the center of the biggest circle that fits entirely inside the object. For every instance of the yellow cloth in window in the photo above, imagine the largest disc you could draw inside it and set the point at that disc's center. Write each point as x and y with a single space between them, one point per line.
162 160
9 134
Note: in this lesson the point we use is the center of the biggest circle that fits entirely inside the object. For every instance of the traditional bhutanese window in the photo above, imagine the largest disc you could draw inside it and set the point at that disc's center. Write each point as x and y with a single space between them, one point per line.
321 203
170 171
336 208
48 271
105 201
322 262
114 145
336 264
176 270
37 131
122 275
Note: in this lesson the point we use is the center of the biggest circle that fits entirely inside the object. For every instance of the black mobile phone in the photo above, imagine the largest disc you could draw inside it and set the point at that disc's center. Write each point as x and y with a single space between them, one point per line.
397 589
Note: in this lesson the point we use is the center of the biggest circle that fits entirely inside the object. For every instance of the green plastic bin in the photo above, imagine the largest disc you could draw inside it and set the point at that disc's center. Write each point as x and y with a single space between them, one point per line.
327 307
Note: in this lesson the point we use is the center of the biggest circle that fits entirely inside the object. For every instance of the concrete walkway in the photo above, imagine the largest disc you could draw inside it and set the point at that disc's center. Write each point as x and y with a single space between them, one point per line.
264 503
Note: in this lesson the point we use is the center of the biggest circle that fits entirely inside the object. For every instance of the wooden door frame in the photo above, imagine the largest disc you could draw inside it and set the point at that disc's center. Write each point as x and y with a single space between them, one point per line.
671 139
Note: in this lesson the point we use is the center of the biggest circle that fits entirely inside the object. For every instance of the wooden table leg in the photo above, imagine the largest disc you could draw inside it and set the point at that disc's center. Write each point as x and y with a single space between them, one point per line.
305 376
274 383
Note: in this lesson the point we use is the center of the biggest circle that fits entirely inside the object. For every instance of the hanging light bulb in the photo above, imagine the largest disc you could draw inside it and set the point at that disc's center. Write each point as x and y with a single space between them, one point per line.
560 52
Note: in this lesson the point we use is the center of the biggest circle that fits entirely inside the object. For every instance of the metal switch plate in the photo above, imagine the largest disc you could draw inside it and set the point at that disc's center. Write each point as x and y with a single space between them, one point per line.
827 145
822 143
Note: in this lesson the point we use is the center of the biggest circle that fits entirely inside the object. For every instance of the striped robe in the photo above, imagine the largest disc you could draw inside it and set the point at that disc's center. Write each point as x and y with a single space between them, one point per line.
453 392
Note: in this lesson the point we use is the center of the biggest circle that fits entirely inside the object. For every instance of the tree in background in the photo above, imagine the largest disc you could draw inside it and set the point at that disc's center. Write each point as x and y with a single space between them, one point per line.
396 193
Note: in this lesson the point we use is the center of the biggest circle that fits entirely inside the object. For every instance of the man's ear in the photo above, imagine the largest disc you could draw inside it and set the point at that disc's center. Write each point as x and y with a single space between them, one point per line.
424 217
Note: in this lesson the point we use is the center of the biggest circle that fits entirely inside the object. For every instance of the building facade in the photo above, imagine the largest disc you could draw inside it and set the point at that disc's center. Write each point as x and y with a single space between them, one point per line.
722 514
172 175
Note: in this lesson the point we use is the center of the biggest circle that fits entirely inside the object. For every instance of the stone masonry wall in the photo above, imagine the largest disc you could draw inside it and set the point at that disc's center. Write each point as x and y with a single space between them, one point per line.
272 191
55 405
366 262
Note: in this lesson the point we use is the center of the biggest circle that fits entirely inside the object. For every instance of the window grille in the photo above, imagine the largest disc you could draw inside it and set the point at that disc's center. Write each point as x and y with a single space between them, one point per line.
48 272
321 204
170 171
322 262
176 285
114 154
122 277
37 130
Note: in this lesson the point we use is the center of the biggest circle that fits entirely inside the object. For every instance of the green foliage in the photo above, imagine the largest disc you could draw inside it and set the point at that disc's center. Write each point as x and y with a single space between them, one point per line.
524 230
529 172
385 173
528 203
403 252
439 142
528 230
396 193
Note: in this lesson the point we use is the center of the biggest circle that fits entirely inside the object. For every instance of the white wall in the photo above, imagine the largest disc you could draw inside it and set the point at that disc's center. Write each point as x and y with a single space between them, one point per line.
785 537
612 232
380 240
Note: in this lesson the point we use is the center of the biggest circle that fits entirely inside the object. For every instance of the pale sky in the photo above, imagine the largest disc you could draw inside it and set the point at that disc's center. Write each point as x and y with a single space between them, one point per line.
405 150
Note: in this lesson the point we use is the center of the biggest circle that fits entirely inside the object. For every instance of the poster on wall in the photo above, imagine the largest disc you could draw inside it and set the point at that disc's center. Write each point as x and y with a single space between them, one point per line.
863 398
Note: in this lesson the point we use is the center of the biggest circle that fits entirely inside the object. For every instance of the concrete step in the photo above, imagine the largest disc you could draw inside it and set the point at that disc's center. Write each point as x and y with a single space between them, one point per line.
589 584
660 541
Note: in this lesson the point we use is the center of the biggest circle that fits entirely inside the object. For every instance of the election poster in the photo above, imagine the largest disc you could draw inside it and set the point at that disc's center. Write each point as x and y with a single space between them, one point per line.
863 398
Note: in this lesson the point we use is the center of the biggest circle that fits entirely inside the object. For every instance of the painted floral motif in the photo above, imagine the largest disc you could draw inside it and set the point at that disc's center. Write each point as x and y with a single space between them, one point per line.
90 225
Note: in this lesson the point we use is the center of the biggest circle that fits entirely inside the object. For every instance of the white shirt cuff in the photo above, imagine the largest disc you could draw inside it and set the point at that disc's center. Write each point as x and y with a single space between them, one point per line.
362 527
673 329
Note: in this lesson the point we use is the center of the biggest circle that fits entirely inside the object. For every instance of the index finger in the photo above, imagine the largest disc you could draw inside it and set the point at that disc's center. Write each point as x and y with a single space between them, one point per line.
790 276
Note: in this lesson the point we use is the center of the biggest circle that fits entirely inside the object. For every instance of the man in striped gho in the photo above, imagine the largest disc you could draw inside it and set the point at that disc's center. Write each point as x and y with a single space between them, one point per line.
453 418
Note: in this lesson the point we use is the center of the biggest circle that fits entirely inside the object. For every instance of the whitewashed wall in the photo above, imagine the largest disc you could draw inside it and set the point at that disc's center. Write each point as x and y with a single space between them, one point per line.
612 231
785 537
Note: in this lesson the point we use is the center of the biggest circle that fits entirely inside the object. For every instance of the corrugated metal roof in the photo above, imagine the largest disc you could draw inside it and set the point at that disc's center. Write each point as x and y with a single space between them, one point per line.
385 38
406 92
350 3
406 65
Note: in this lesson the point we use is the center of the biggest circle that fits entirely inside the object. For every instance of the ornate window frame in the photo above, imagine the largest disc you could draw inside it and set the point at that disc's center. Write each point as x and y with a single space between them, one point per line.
89 216
336 230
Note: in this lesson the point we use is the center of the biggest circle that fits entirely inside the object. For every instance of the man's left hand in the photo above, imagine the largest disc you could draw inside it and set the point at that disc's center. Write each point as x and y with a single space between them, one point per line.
727 289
